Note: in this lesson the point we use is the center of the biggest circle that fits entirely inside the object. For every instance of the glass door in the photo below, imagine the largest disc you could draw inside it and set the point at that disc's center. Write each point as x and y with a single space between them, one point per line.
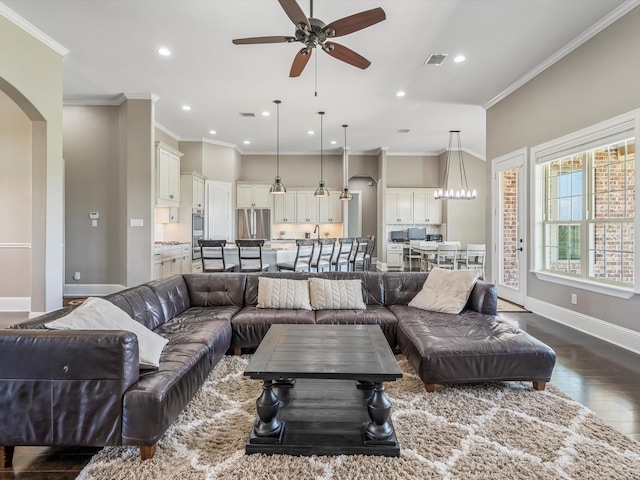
509 227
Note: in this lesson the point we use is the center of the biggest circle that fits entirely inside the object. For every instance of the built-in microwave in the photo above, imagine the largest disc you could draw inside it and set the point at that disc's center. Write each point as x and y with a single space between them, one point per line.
197 225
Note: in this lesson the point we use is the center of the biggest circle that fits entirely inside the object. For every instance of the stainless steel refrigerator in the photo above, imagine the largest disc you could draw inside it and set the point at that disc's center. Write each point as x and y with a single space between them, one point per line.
253 223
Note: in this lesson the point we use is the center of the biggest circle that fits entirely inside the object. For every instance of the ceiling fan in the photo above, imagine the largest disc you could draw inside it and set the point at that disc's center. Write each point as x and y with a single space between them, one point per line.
313 32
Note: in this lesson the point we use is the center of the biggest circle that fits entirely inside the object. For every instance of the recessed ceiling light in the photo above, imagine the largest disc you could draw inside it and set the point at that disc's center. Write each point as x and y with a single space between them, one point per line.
265 114
212 132
186 107
246 142
400 94
165 52
311 132
460 58
333 142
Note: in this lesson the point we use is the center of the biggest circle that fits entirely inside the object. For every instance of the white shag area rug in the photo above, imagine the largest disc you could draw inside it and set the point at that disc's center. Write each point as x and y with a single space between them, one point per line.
485 431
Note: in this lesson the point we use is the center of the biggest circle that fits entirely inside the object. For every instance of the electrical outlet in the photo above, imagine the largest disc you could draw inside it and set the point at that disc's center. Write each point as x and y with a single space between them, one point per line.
76 276
574 298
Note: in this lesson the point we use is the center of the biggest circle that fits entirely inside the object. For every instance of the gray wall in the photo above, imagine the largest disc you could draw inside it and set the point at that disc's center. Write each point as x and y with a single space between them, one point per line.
413 171
295 170
31 75
596 82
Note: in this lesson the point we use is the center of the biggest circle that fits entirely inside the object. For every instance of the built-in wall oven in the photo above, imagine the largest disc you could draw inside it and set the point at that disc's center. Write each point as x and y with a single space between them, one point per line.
195 250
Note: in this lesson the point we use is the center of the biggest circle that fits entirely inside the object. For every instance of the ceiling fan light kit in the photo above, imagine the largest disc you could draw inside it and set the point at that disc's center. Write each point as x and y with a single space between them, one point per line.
463 192
313 32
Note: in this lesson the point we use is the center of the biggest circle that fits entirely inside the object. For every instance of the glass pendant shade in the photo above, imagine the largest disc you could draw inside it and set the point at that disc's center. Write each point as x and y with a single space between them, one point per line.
277 188
462 192
321 191
346 194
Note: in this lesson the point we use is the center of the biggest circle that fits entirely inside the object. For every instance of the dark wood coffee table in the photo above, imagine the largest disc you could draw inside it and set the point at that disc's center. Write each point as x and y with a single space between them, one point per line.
323 391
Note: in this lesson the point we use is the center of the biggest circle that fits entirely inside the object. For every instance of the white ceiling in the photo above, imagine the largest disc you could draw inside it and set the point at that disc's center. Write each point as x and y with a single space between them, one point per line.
113 50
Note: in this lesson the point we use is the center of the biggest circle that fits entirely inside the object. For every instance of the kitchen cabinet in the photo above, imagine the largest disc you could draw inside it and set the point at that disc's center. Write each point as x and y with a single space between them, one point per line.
399 206
426 208
185 266
330 208
306 207
284 208
197 192
253 196
166 214
168 175
395 257
196 267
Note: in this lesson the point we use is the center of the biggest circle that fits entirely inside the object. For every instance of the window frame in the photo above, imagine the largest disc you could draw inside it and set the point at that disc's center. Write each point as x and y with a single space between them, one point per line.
609 131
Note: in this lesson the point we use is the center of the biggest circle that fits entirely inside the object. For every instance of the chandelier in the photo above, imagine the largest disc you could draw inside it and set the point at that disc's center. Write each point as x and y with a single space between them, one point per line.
462 192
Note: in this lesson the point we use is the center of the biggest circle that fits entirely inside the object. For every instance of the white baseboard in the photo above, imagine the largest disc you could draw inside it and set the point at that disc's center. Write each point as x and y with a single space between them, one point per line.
620 336
91 290
15 304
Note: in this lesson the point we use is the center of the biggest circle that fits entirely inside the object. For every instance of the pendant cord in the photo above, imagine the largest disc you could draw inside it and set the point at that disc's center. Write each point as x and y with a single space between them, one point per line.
315 73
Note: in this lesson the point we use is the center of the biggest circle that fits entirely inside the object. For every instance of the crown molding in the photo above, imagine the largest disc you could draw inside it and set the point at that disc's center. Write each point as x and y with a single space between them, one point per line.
615 15
164 129
32 30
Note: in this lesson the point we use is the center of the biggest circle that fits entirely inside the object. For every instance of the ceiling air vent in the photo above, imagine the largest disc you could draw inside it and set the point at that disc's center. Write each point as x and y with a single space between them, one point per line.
436 59
247 114
403 130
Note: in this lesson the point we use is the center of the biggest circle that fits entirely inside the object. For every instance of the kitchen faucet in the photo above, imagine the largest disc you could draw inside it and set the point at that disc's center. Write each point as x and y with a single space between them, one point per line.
317 228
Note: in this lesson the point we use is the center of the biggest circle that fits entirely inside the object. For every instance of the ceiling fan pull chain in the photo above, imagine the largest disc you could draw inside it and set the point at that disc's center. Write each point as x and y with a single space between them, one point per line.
316 74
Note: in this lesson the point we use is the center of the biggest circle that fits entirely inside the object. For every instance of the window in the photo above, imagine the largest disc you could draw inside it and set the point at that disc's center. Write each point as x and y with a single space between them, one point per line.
585 206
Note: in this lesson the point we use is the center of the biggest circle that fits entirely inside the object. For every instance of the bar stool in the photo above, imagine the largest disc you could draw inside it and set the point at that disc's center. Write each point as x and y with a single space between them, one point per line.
325 254
212 256
360 252
304 255
250 256
345 246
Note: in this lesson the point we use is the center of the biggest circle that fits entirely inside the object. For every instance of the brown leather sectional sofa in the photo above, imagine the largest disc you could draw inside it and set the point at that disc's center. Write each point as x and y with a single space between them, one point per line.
84 388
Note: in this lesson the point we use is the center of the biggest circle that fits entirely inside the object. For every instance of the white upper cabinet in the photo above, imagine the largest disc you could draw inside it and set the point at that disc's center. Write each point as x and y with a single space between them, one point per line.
426 209
330 208
399 207
198 191
284 208
253 196
306 208
168 175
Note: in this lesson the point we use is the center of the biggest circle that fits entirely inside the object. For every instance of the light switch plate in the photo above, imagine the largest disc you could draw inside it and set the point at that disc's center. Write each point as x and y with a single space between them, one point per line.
136 222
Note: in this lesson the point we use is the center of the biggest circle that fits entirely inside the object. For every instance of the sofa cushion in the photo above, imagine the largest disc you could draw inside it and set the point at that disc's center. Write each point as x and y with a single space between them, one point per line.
336 294
446 291
372 315
99 314
173 295
283 293
250 325
206 290
141 304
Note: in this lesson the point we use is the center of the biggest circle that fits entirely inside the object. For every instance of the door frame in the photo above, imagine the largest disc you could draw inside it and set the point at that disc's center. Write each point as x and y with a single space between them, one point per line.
510 160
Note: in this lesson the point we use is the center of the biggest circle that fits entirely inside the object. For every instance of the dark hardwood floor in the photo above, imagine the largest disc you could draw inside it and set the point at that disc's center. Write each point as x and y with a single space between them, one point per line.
600 375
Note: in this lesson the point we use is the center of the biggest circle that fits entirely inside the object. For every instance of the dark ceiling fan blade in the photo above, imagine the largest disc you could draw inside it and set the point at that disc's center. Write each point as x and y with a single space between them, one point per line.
294 12
300 61
346 55
248 41
356 22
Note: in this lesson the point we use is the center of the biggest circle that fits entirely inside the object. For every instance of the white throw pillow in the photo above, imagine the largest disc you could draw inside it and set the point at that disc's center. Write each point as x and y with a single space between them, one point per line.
99 314
336 294
283 293
446 291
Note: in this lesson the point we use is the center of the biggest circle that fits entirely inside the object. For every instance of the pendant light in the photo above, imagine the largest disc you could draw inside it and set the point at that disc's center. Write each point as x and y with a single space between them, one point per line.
462 192
277 188
321 191
345 195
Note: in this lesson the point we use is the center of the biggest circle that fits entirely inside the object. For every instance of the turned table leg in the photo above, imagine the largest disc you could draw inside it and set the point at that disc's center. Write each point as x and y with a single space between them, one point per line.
6 456
379 409
267 426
